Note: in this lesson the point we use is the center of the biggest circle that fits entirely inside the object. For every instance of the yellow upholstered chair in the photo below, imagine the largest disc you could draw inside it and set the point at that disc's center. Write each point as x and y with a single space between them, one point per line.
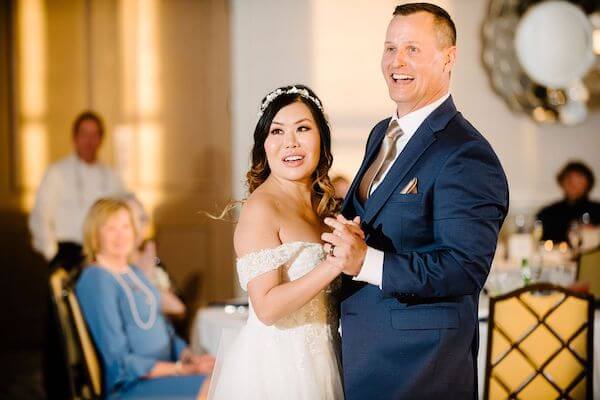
83 366
588 270
540 344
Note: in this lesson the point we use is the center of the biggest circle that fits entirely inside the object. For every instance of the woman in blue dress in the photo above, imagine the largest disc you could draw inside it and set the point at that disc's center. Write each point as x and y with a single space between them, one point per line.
142 356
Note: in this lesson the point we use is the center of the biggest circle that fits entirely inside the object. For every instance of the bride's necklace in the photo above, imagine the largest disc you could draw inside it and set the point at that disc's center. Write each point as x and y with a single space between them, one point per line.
150 299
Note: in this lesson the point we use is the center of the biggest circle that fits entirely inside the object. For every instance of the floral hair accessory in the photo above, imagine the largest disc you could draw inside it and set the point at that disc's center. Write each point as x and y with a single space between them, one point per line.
293 90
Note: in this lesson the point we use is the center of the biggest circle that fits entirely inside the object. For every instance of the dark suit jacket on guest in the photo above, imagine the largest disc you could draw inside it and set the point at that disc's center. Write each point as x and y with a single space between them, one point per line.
417 337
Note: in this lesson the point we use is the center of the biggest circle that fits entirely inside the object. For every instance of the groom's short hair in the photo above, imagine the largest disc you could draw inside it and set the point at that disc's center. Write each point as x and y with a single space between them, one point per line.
444 24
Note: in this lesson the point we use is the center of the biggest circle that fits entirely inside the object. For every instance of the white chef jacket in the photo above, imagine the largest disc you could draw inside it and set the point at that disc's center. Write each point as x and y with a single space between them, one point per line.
68 190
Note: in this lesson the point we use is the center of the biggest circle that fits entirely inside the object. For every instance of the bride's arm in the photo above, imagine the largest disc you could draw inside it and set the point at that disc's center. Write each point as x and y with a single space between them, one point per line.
273 299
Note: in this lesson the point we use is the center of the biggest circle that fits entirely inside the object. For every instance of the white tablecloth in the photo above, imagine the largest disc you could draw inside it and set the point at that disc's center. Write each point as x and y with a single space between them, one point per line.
210 322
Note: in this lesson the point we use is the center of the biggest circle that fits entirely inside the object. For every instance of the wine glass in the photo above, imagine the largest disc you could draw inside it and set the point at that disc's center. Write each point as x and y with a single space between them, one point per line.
575 236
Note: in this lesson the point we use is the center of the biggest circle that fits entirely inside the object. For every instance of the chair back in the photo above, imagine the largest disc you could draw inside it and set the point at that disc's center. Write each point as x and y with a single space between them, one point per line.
83 366
540 344
588 270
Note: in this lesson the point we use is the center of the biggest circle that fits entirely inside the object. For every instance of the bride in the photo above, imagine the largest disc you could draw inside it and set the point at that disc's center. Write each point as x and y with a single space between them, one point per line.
288 347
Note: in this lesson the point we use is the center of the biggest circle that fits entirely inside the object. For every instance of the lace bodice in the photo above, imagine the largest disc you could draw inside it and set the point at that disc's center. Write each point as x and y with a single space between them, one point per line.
297 259
316 320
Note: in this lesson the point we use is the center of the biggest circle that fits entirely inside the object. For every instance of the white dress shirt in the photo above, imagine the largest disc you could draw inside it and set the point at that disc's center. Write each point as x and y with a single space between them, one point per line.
68 190
372 268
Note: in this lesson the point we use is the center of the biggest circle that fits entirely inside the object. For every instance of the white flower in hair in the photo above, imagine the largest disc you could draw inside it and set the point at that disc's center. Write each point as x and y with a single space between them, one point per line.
293 90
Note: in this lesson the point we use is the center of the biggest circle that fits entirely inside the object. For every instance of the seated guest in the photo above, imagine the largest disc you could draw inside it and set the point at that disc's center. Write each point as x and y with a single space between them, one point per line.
141 355
576 181
144 257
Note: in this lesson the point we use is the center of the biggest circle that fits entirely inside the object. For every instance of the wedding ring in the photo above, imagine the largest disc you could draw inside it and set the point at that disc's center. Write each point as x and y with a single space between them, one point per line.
331 248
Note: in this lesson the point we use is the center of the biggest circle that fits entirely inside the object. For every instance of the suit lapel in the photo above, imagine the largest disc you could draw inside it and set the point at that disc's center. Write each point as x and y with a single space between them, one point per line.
371 153
416 146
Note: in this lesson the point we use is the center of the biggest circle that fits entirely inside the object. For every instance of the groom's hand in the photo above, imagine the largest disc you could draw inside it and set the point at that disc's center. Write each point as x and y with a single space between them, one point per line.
349 247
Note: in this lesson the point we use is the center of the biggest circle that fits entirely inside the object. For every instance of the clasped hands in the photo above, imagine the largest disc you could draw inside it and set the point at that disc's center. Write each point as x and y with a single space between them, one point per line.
345 246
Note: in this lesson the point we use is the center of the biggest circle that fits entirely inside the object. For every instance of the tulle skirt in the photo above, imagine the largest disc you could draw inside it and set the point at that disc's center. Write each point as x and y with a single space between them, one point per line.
268 362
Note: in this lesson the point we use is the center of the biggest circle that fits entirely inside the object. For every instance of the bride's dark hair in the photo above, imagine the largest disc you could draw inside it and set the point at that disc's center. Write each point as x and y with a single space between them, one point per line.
324 201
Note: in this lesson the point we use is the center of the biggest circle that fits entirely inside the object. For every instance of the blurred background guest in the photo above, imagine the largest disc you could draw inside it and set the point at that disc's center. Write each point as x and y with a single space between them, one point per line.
140 352
341 184
576 181
144 257
69 187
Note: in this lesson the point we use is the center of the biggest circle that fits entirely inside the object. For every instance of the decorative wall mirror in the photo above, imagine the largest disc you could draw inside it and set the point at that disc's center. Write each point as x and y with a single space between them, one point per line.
543 57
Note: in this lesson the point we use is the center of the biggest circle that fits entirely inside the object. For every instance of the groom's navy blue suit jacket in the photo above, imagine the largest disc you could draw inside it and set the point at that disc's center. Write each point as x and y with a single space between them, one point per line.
417 337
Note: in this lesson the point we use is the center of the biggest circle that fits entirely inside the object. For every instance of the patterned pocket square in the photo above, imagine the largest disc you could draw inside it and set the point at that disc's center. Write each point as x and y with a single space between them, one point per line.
411 187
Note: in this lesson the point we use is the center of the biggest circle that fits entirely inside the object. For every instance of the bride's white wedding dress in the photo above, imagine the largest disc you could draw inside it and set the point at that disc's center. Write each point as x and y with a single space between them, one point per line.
294 359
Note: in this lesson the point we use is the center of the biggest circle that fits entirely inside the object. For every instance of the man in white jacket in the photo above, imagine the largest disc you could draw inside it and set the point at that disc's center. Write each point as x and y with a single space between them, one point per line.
69 188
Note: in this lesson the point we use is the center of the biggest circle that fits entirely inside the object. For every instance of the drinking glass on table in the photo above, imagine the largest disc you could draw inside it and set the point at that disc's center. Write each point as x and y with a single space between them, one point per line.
575 236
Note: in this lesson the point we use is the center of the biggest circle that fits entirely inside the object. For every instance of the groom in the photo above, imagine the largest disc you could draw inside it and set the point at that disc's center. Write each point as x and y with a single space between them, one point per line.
431 197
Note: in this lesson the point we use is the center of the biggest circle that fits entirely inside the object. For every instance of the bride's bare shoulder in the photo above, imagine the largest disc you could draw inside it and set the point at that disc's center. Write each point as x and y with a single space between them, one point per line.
258 225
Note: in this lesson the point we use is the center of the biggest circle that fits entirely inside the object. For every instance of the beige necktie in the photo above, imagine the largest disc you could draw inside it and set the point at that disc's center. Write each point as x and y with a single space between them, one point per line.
386 155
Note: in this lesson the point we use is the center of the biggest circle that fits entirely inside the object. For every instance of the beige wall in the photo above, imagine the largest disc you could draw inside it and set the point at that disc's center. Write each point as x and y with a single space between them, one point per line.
158 71
335 47
270 47
6 181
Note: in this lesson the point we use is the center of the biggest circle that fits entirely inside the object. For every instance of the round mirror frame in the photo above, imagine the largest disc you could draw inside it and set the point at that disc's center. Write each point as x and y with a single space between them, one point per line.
508 78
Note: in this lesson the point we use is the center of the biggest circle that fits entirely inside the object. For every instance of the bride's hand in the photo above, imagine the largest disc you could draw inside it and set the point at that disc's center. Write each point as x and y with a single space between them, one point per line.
346 247
331 262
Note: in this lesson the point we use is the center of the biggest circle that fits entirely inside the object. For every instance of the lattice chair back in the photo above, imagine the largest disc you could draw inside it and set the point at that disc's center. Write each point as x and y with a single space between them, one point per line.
83 366
540 345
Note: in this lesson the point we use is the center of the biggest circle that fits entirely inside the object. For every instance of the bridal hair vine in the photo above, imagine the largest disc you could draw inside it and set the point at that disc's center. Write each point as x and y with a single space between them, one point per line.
293 90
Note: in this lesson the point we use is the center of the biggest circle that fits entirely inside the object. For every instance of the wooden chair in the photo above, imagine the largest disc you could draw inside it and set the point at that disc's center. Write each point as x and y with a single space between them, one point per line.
83 365
588 271
540 344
